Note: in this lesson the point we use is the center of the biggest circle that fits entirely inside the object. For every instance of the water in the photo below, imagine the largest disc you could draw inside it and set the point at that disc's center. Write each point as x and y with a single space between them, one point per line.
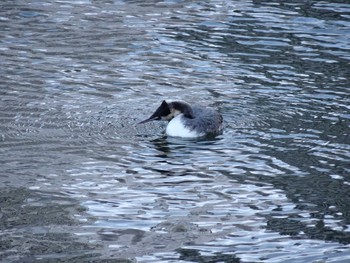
80 182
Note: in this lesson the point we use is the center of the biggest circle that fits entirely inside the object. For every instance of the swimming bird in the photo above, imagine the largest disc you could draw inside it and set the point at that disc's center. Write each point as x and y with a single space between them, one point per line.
187 121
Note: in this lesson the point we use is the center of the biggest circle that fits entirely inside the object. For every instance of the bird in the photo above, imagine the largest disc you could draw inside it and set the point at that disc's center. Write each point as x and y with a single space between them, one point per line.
187 121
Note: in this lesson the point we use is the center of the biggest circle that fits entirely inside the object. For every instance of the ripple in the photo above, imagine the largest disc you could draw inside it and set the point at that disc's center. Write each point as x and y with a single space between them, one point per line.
76 77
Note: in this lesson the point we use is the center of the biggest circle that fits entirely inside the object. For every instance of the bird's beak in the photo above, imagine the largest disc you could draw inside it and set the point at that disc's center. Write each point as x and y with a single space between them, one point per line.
147 120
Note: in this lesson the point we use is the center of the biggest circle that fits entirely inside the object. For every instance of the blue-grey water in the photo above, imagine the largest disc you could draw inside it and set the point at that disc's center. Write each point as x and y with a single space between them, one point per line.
80 182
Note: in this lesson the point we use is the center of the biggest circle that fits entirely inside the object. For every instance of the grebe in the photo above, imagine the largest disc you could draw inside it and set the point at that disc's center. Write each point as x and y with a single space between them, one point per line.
186 121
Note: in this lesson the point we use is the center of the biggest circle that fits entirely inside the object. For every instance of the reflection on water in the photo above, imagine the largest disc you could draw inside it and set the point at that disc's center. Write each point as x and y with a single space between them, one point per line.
78 173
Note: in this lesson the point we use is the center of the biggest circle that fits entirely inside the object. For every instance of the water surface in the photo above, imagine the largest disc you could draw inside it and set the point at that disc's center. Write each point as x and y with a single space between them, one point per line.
79 181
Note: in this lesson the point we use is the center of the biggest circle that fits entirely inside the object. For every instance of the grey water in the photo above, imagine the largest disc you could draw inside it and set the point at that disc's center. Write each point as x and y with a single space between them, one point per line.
80 182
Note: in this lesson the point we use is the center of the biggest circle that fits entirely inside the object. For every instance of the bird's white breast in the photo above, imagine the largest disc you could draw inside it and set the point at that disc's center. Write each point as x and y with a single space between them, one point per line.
176 128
